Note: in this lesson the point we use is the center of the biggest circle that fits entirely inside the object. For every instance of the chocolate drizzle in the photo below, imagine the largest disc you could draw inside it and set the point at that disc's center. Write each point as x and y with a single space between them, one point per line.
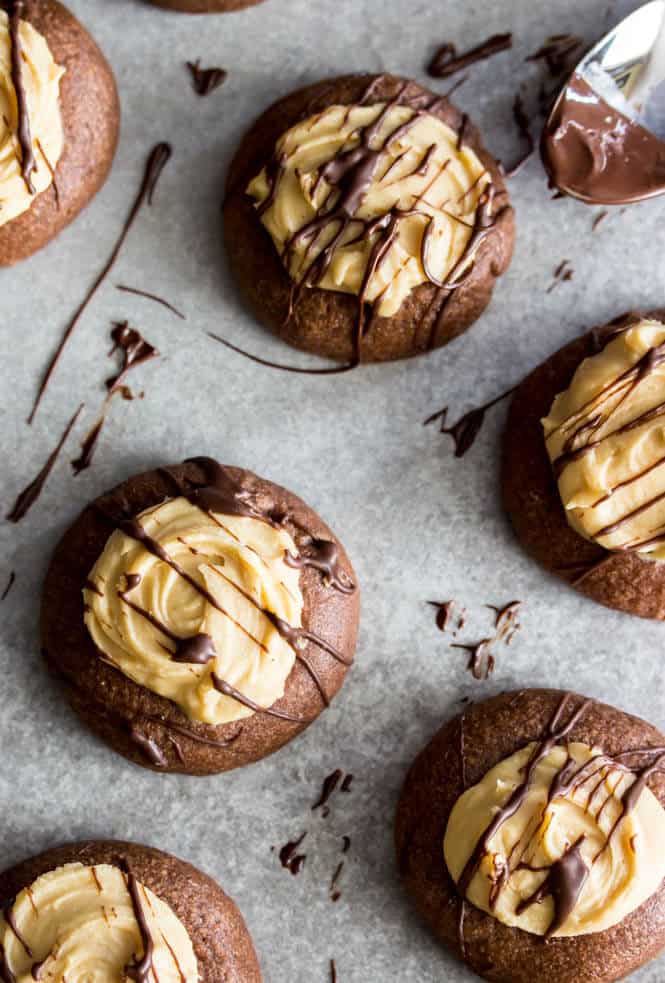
323 555
227 690
149 296
28 162
157 159
446 60
140 972
198 650
31 492
205 80
465 430
566 877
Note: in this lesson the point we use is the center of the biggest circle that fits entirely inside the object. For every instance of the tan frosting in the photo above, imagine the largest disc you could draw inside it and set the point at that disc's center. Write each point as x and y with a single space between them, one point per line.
41 79
82 922
446 194
222 553
621 477
623 872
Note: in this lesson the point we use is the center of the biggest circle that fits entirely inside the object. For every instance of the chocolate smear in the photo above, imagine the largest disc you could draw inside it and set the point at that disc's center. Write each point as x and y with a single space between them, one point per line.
31 492
205 80
157 159
465 430
9 585
149 296
446 61
289 857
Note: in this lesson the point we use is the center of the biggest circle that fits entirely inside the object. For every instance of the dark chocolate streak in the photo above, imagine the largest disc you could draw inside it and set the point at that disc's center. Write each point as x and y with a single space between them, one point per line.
205 80
566 877
31 492
9 585
28 162
140 971
446 61
465 430
149 296
349 173
155 164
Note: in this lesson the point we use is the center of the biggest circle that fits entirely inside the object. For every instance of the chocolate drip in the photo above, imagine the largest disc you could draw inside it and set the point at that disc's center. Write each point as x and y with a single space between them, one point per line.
556 731
330 783
9 585
31 492
154 166
564 883
198 650
465 430
227 690
142 970
158 300
205 80
446 61
289 857
135 350
445 614
28 162
323 555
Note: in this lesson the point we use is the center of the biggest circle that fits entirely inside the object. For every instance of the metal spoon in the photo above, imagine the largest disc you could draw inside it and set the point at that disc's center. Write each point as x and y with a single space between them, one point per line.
604 141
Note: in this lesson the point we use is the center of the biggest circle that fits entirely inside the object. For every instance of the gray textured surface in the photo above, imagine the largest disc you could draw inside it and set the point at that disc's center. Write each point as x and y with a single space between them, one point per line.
416 522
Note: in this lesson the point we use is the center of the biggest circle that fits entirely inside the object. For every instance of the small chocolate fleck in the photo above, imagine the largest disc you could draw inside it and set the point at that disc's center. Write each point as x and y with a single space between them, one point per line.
205 80
9 585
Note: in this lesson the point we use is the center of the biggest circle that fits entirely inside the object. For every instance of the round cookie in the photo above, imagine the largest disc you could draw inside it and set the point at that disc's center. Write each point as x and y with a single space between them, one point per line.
185 929
206 633
618 578
513 793
73 108
205 6
364 234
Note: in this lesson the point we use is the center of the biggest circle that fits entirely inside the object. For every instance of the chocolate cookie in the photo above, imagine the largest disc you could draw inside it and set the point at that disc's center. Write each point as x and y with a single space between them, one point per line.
199 617
529 836
365 221
605 459
205 6
58 139
122 910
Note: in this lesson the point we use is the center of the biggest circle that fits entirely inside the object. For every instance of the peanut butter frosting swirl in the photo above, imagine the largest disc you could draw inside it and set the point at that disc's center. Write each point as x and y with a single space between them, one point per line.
560 839
96 924
200 607
605 436
39 121
374 200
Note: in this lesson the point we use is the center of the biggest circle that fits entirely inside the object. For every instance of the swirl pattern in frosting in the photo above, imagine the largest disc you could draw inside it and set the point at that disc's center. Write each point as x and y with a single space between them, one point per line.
41 82
605 436
184 598
374 200
574 844
93 925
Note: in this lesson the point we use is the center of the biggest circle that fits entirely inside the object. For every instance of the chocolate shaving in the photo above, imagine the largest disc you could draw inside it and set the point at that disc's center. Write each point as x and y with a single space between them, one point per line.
446 61
205 80
31 492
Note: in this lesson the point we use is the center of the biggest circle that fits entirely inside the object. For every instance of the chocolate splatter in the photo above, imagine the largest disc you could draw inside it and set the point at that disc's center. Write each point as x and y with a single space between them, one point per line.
598 218
559 52
346 844
481 660
446 61
465 430
289 857
205 80
562 274
346 783
31 492
149 296
330 783
445 614
155 164
9 585
335 893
